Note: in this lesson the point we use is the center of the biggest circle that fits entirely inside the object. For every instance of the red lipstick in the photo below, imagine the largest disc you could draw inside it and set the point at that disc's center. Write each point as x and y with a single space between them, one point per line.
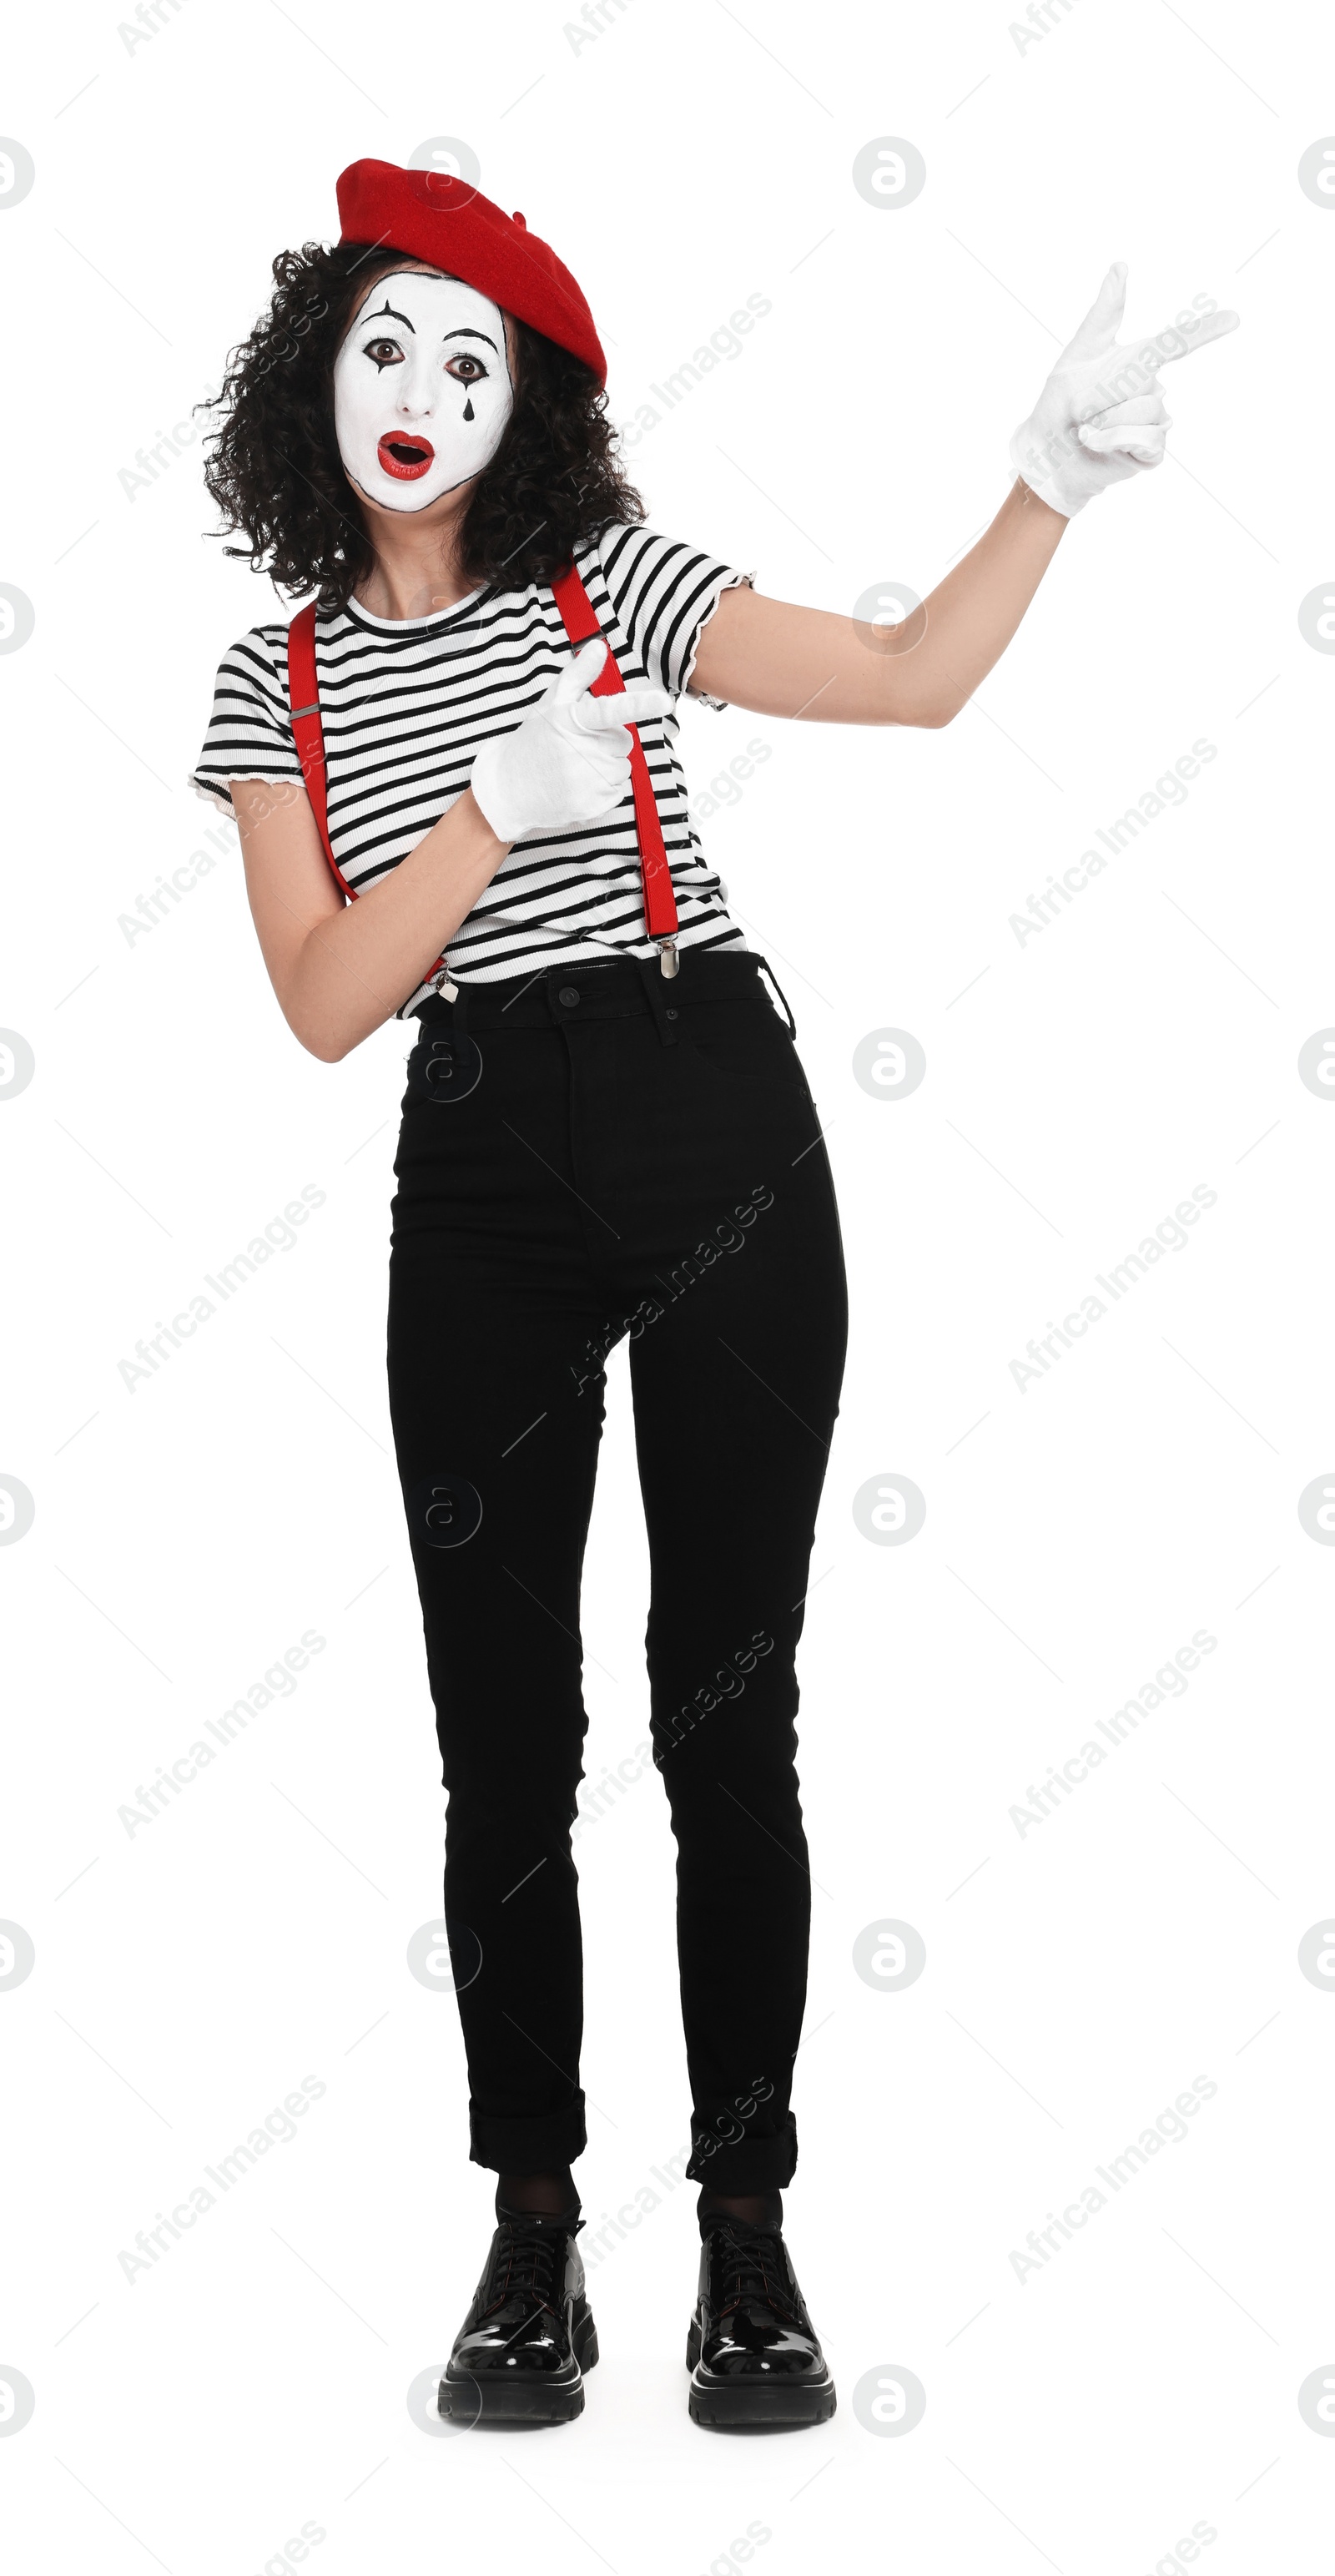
404 455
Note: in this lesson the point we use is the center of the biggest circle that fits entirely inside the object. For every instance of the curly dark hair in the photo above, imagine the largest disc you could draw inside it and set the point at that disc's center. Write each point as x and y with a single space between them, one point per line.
273 466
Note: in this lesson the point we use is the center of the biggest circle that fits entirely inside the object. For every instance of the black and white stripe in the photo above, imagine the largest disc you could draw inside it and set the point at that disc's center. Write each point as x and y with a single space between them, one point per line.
407 703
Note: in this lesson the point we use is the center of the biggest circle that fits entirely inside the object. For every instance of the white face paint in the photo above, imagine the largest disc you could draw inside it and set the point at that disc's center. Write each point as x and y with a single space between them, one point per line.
422 389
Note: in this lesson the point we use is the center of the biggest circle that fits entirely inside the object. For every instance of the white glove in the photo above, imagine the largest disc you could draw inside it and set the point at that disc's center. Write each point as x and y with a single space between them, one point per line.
569 760
1100 415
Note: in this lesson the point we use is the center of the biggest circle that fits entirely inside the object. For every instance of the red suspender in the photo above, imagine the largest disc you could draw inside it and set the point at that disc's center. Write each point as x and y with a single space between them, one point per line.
660 904
308 735
307 730
576 607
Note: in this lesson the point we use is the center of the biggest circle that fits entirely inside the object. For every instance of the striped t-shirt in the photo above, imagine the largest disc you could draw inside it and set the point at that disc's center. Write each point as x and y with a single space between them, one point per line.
406 704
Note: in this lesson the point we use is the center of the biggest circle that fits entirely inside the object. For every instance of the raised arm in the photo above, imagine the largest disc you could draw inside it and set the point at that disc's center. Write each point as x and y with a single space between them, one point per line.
781 660
1099 420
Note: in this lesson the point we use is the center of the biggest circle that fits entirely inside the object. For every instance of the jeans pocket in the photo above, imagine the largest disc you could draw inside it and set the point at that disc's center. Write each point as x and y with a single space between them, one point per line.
746 1047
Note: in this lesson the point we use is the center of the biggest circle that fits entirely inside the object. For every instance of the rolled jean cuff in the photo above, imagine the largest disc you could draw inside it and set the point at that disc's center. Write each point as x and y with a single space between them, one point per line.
536 2145
747 2164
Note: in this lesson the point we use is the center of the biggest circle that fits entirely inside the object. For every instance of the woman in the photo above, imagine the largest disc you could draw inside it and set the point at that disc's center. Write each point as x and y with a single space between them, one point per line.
606 1132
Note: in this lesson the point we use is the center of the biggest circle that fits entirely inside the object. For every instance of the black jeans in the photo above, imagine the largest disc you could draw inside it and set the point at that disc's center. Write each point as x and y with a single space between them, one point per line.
586 1154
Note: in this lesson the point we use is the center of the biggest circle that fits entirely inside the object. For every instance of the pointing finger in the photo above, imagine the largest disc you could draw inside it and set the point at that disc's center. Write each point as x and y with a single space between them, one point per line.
626 707
1175 342
643 703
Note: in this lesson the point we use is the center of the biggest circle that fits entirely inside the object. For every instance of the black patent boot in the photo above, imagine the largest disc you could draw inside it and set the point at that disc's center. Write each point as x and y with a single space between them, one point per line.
528 2338
755 2363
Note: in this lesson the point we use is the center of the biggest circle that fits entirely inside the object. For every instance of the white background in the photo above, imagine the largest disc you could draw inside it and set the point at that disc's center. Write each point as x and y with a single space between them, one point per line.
1145 2379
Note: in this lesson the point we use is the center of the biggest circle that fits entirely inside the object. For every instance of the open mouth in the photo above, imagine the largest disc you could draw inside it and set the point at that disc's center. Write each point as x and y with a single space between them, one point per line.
405 457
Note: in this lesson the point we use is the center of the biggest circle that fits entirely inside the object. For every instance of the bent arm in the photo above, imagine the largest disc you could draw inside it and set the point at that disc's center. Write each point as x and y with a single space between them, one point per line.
340 970
780 660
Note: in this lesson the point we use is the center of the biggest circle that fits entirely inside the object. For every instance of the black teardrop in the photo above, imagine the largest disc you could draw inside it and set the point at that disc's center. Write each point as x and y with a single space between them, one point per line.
468 410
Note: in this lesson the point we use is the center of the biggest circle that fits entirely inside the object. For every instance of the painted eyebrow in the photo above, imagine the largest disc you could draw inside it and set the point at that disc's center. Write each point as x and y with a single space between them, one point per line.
462 332
391 309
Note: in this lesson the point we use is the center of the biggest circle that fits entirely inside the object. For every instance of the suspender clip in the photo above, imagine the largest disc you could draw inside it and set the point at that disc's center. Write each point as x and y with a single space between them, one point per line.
667 956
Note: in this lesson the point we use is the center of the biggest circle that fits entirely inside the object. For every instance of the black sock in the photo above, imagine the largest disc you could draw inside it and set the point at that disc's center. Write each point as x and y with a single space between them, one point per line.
552 2196
767 2206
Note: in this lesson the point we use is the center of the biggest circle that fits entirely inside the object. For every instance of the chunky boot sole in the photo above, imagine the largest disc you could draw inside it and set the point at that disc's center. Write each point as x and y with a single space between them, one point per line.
754 2404
489 2400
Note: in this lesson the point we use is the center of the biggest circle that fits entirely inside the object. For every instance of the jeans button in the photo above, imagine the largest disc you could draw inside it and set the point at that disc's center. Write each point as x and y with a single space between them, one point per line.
569 995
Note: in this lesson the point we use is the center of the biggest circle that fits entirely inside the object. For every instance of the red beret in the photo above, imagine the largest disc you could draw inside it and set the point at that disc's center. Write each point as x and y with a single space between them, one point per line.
446 221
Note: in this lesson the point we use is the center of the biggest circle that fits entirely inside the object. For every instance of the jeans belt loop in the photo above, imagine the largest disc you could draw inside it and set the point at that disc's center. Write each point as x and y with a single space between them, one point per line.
659 994
765 968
